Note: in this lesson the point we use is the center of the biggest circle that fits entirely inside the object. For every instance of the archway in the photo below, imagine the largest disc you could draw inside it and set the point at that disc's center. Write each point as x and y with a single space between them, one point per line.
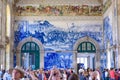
40 51
94 52
86 55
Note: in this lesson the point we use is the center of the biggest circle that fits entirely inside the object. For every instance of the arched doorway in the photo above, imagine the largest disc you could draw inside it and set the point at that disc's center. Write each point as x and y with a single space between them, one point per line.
86 47
22 49
30 55
86 55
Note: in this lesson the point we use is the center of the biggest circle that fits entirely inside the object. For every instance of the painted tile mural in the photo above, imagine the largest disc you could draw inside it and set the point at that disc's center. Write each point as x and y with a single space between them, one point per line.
57 39
58 10
108 36
61 60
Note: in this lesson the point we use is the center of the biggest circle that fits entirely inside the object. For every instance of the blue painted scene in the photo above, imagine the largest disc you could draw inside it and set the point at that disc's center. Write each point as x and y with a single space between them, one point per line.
108 39
107 32
54 38
61 60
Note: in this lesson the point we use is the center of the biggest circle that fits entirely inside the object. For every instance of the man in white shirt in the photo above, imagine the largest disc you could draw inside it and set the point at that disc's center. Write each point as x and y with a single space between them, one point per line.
7 75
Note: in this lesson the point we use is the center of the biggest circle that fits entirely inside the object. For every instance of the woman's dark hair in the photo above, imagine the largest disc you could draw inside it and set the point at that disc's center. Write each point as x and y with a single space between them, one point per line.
73 76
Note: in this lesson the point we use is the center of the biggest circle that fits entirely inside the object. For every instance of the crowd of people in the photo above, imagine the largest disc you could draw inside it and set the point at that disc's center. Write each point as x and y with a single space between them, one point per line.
97 74
59 74
19 73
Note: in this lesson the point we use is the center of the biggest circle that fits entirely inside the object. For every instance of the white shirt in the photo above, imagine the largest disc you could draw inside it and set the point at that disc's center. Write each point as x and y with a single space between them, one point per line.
7 76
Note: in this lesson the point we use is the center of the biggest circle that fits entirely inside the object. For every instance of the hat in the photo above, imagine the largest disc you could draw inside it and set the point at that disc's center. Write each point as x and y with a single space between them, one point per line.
19 69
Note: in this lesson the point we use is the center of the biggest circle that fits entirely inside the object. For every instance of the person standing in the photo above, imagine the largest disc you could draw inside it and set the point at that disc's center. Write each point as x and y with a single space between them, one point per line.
8 75
17 74
112 74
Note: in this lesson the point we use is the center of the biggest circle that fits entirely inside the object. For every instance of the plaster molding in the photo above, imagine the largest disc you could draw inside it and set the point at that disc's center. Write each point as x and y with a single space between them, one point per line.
58 18
57 2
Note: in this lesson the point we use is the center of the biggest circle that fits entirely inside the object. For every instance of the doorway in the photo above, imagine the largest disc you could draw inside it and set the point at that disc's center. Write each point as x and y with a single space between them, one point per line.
85 55
30 55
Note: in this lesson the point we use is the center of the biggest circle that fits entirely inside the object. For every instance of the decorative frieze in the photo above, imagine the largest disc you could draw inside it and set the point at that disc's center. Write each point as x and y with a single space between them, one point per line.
58 10
59 18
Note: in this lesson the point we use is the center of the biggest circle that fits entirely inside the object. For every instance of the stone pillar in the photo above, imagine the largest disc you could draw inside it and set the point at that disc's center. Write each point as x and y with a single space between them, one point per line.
3 24
75 61
118 28
18 57
115 33
41 60
119 57
97 59
91 62
12 34
88 61
2 58
108 59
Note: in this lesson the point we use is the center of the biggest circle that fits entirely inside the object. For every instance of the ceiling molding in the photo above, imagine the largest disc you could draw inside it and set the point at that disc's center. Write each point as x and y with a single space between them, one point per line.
44 1
59 18
59 2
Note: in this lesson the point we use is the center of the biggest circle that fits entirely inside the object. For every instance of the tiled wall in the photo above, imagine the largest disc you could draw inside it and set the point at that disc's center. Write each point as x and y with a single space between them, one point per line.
56 38
58 35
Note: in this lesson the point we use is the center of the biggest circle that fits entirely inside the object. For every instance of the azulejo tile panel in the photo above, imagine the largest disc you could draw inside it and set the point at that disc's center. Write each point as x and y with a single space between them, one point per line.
54 38
108 36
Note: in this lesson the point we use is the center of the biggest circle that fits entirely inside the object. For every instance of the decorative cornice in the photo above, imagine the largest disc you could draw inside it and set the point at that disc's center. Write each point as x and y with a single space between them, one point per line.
54 2
106 5
58 18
